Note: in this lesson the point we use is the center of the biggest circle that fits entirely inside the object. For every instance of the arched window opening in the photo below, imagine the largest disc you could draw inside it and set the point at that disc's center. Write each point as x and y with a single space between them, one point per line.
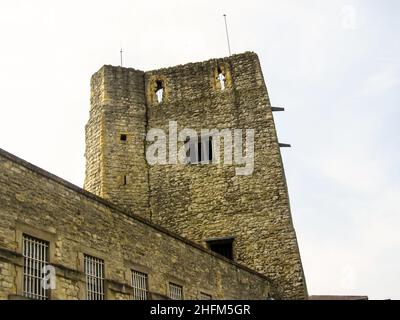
159 91
221 79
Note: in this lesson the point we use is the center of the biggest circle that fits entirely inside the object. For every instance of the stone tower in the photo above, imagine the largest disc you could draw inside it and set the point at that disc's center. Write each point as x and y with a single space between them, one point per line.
115 150
207 203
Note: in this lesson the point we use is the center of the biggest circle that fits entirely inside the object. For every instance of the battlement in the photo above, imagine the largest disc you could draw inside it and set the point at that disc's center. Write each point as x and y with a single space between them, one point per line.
188 81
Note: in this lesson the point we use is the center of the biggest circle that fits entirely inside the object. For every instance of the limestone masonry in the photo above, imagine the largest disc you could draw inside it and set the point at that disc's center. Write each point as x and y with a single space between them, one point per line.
186 231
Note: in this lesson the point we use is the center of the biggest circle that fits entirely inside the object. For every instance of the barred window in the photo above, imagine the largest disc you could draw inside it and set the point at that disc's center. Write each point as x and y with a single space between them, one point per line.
140 285
36 253
205 296
175 291
200 152
94 271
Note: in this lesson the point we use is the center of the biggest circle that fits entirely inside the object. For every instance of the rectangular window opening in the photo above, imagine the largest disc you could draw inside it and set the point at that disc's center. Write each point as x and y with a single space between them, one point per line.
123 137
175 291
94 272
224 247
140 285
36 257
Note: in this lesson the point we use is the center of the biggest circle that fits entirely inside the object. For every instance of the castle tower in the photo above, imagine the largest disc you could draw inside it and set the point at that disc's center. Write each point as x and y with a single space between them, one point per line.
115 151
247 218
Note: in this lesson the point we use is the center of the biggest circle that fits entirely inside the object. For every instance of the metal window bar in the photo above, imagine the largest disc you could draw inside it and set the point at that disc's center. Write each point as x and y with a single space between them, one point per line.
175 291
140 285
94 271
35 252
200 152
205 296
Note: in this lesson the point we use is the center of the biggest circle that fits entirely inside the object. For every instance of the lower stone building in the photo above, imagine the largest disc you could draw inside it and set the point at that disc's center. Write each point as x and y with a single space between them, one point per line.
98 250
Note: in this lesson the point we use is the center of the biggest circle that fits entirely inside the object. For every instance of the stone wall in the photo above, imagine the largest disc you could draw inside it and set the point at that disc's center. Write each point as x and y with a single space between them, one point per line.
76 222
203 202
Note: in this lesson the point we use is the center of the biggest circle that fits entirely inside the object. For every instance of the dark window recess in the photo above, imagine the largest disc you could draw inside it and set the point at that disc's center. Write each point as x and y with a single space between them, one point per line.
224 247
125 180
210 153
200 152
124 137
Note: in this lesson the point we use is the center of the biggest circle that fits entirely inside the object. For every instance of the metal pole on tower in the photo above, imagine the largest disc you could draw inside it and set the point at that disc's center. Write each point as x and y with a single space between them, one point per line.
227 35
121 56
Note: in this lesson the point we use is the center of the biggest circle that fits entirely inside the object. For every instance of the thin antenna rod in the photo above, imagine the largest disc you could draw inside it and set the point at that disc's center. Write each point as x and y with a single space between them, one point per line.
227 35
121 56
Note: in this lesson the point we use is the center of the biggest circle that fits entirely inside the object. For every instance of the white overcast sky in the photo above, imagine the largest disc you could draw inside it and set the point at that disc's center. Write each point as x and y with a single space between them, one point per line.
334 66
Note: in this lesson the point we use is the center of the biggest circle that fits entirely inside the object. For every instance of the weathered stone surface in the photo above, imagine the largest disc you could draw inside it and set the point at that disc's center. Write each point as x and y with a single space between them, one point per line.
198 202
76 222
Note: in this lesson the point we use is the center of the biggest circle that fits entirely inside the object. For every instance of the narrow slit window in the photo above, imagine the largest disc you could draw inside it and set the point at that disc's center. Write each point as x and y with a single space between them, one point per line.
210 149
199 152
94 272
159 91
221 79
36 253
125 182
